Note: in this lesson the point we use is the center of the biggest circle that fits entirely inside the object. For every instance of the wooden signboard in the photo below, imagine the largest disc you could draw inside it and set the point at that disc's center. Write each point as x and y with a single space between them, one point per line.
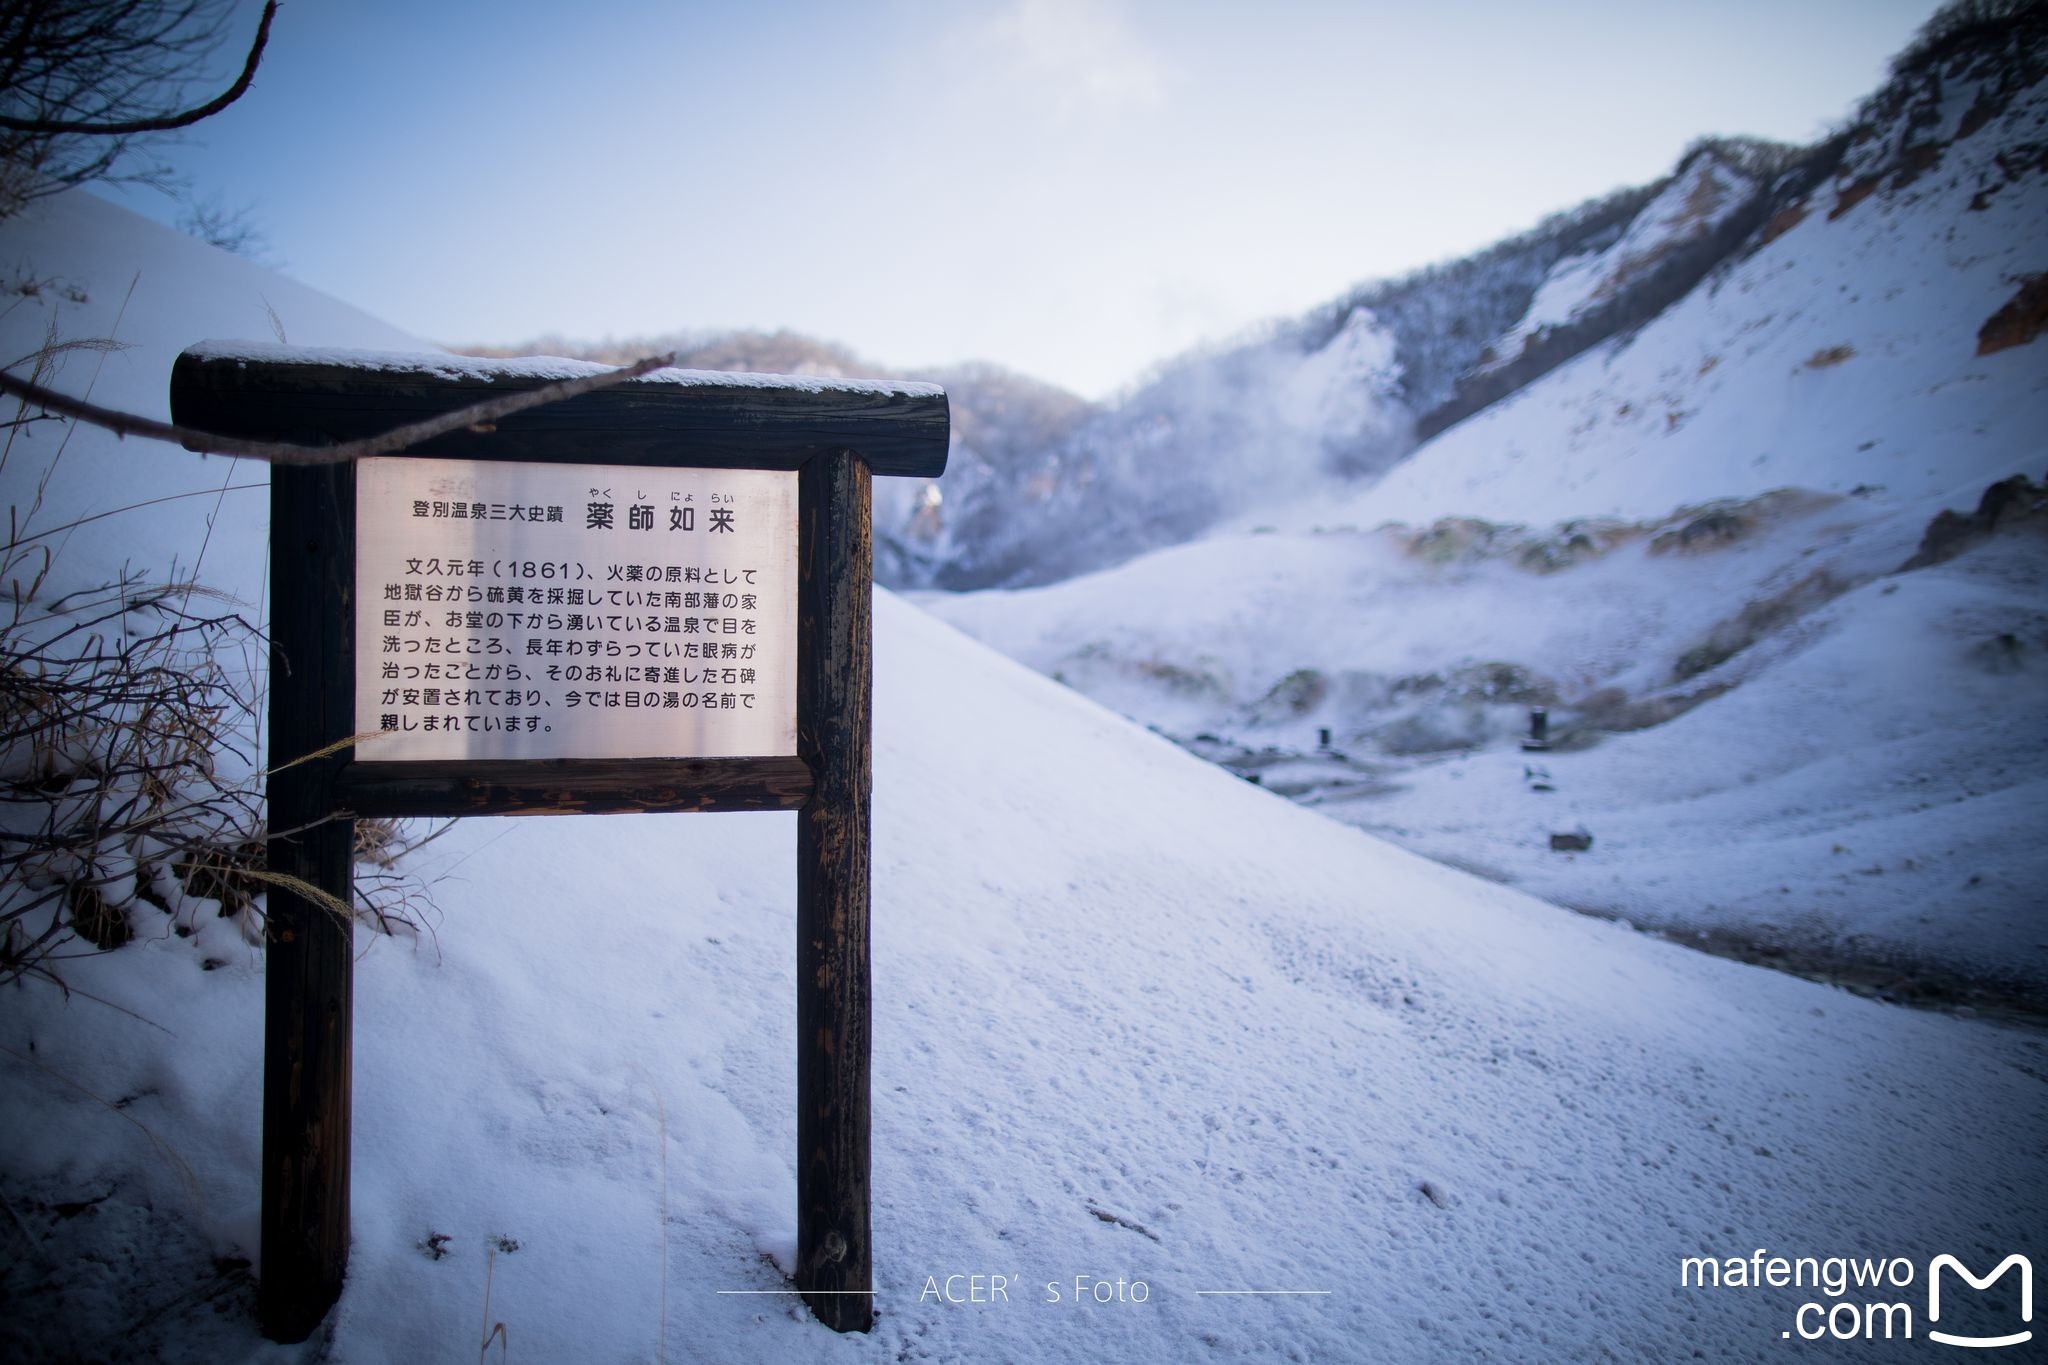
652 597
520 611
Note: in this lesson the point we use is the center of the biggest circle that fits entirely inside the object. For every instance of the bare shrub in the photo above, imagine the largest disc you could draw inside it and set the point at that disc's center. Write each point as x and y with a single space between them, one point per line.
129 786
88 87
115 719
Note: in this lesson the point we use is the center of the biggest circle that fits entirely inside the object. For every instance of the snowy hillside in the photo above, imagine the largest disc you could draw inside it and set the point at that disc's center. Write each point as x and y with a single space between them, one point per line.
73 271
1294 410
1688 543
1137 1022
1778 744
1699 198
1843 352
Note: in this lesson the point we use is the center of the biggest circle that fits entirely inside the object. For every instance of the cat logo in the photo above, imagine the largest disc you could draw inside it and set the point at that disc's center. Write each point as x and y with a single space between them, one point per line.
2026 1298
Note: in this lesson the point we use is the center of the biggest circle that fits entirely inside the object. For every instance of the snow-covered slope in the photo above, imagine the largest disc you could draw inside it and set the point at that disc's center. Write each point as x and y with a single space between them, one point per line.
75 269
1699 523
1135 1020
1702 196
1843 352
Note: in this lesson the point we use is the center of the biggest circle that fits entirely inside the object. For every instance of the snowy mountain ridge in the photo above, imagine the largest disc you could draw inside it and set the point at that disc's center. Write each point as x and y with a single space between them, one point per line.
1699 198
1223 436
1042 485
1689 542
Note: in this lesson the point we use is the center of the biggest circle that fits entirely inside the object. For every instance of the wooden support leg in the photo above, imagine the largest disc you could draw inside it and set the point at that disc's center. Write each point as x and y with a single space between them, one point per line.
309 961
834 686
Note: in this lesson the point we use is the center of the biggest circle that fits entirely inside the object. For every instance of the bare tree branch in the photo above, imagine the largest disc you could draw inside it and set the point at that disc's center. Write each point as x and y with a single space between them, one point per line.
280 452
165 124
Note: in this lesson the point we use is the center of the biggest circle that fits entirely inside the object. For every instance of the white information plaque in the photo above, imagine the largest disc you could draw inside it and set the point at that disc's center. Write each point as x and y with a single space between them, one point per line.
515 611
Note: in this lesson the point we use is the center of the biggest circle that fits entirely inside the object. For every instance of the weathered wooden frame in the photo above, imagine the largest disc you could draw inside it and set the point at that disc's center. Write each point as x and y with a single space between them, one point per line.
834 435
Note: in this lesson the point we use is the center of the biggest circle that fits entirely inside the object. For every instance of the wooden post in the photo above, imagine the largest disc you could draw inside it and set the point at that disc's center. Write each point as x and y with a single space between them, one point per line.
835 569
309 959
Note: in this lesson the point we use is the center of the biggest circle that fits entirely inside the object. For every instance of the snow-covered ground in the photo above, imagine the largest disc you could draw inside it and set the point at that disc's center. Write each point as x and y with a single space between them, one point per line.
1777 742
1136 1020
1687 543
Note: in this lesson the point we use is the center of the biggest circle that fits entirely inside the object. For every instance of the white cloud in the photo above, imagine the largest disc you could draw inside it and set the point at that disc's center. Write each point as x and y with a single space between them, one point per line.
1078 56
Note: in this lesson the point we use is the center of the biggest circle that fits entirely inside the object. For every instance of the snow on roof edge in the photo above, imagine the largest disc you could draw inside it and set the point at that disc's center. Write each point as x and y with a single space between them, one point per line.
443 365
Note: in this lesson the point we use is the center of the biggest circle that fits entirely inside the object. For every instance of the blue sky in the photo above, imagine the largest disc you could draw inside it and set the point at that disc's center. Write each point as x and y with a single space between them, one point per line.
1073 188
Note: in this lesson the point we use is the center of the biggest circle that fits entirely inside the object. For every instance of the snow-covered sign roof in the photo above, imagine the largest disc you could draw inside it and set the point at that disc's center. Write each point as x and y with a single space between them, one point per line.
538 369
323 395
